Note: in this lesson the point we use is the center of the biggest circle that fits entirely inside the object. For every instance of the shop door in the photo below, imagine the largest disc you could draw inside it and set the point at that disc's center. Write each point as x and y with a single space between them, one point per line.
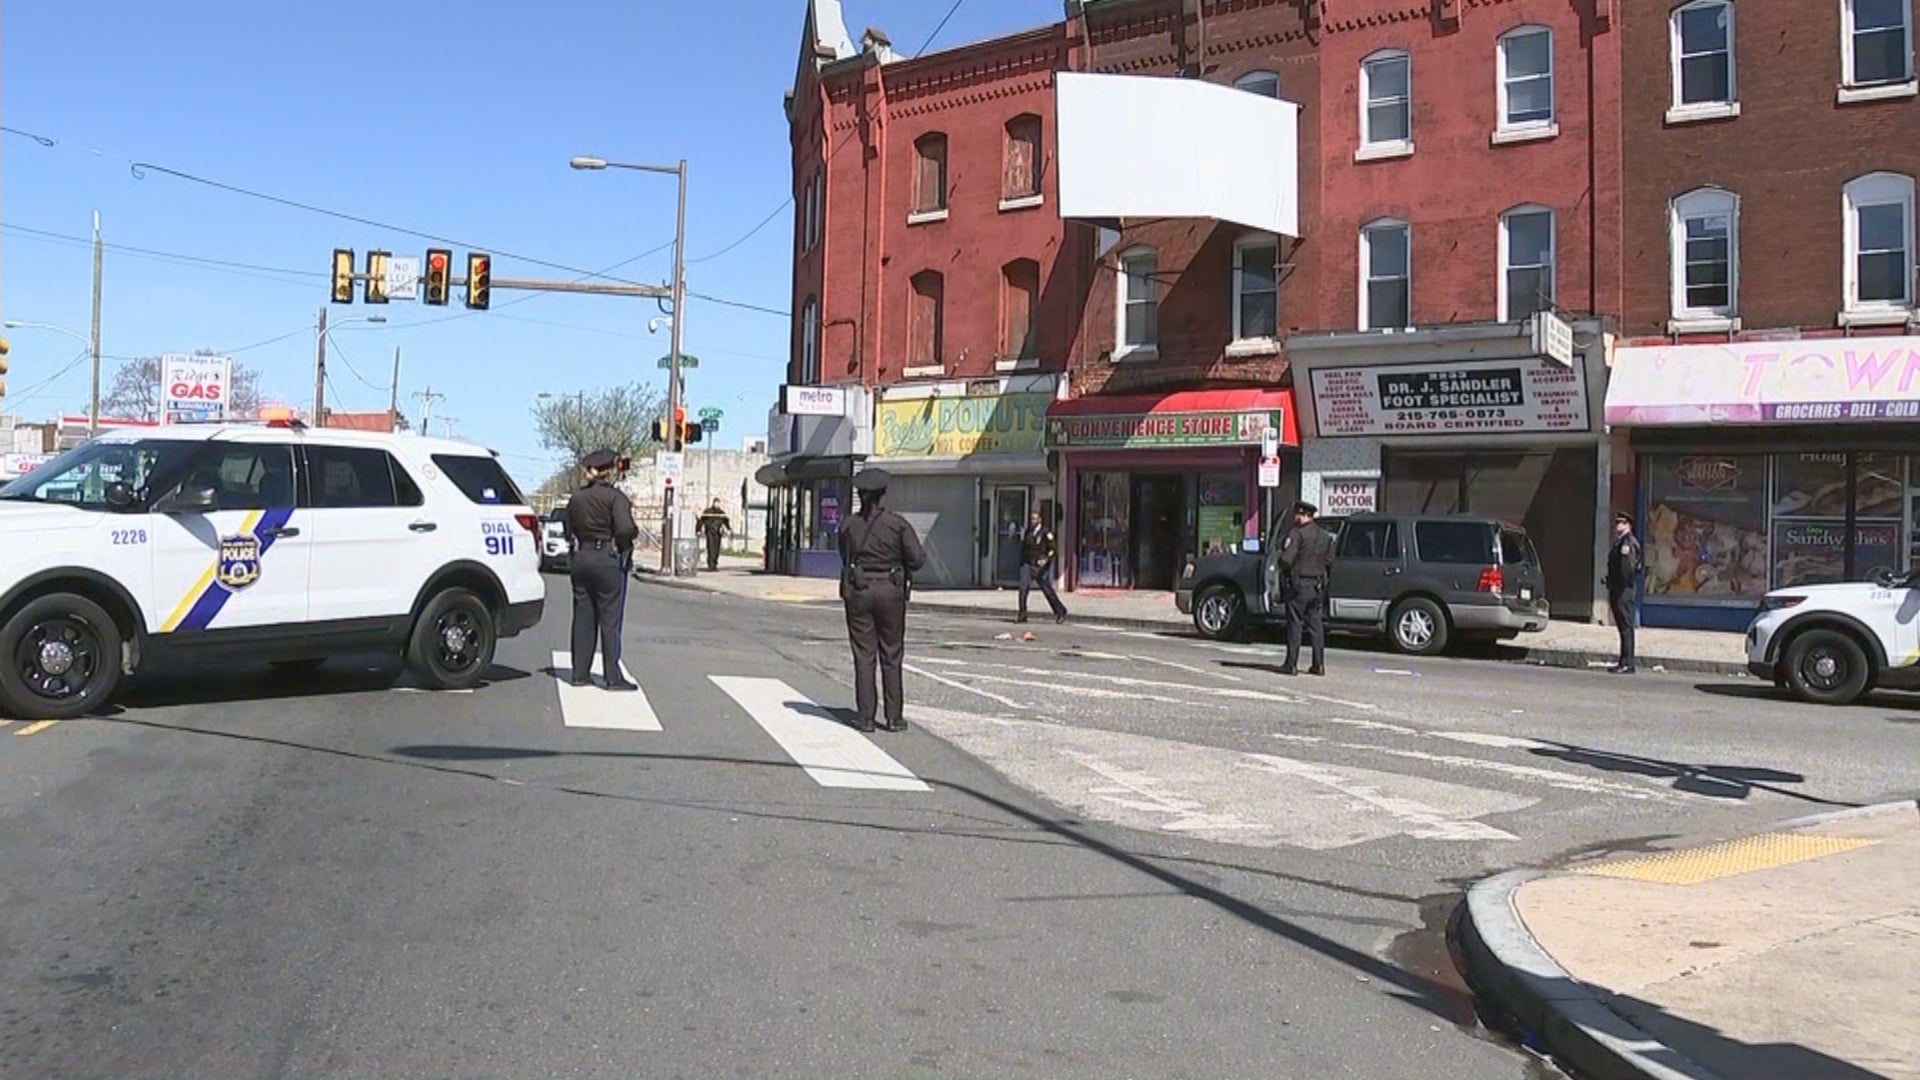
1160 514
1009 519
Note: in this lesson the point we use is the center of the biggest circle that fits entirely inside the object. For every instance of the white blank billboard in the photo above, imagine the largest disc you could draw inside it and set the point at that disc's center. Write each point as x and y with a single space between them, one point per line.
1133 146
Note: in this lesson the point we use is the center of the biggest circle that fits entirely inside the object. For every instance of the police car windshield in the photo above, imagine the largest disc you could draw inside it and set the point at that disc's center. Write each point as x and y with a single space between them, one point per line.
110 476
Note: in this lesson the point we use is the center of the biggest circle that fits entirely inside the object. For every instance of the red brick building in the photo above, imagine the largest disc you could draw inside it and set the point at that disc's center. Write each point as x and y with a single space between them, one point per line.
1766 397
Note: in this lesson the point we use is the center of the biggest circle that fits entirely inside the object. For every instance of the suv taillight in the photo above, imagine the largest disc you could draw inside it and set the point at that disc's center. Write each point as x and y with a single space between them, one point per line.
1492 580
529 522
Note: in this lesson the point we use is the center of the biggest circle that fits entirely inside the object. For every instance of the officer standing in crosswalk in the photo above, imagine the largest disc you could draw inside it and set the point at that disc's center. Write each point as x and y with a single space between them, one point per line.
600 523
879 554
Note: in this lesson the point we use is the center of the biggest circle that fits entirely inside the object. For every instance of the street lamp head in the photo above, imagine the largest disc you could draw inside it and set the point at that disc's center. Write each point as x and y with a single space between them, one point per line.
588 163
14 324
376 318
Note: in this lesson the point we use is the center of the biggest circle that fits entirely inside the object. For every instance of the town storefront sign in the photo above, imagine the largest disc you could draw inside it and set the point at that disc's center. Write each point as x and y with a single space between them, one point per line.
1475 397
960 426
1134 431
1788 382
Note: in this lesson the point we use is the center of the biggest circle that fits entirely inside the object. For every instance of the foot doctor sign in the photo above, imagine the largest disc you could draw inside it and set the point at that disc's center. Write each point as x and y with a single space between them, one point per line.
194 387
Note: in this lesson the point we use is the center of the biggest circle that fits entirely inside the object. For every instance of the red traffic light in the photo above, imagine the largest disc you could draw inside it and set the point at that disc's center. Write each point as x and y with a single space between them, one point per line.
439 263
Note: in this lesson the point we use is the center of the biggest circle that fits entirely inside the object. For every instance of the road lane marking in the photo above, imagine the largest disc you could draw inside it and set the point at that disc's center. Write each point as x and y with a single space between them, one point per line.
832 753
944 681
1089 691
36 727
595 707
1422 822
1553 778
1498 742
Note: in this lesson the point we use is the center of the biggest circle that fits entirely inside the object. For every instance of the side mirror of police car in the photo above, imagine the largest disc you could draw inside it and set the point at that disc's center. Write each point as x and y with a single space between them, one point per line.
189 500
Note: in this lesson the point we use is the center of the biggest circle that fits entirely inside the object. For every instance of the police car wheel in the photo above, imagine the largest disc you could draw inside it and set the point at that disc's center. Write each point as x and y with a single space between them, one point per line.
453 641
1827 667
61 656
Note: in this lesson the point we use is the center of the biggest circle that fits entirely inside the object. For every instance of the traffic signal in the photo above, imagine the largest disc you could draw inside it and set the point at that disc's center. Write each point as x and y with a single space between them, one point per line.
377 276
479 281
3 366
660 431
439 267
690 433
342 275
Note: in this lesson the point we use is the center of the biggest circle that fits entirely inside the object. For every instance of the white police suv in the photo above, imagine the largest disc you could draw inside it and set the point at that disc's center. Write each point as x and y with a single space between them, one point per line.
1831 644
233 543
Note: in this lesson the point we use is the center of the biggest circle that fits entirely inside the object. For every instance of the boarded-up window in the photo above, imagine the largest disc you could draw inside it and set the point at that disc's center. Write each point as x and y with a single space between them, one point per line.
1019 302
924 332
930 173
1022 177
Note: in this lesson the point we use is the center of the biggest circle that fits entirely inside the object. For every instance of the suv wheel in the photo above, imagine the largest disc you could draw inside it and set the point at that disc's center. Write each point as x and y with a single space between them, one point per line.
453 641
1418 626
1218 613
1827 667
59 658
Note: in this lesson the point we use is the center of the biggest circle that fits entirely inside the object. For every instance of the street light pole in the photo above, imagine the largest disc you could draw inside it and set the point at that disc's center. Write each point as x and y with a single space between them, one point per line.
320 363
93 410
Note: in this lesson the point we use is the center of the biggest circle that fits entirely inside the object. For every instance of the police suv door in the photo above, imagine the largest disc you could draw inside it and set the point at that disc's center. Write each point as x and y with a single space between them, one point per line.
228 549
374 539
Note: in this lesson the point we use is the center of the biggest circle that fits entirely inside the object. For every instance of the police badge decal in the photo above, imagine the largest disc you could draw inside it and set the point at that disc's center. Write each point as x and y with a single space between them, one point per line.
239 564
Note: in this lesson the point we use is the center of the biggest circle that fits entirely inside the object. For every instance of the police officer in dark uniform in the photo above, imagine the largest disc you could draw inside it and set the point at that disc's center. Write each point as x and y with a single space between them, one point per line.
1624 567
600 523
1306 557
1037 551
879 553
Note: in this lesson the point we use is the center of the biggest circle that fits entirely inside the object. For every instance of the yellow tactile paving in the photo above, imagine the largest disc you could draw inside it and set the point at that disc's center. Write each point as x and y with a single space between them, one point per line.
1715 861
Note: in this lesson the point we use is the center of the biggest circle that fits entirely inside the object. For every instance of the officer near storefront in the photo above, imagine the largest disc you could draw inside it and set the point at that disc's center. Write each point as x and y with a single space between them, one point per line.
879 554
1624 567
1306 557
601 526
1037 550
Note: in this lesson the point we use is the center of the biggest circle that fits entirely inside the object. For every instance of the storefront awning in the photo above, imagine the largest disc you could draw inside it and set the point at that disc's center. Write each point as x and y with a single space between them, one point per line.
1766 382
1182 420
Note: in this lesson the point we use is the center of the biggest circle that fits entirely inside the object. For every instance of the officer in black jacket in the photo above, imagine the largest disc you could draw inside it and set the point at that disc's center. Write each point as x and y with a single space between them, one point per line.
1624 567
601 526
1037 551
879 554
1306 557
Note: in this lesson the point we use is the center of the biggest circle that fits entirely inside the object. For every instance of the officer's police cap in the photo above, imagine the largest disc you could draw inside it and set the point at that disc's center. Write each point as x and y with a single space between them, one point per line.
1307 508
871 480
599 459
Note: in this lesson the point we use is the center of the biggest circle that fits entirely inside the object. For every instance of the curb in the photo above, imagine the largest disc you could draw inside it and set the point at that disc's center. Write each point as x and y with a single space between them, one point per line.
1556 1012
1506 652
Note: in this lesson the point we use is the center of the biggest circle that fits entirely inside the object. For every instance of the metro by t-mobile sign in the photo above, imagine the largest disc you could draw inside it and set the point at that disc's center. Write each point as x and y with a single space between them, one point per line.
194 387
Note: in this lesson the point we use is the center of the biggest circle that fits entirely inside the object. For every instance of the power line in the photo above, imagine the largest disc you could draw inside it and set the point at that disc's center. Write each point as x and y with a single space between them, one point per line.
41 139
743 305
788 201
36 388
942 25
342 354
151 252
308 329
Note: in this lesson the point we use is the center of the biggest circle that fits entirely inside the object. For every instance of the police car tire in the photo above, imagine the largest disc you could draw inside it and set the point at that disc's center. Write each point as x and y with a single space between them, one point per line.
18 700
1851 667
423 653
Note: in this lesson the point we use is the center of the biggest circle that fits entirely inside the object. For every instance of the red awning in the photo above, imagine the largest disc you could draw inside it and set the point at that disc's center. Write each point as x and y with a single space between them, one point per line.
1186 402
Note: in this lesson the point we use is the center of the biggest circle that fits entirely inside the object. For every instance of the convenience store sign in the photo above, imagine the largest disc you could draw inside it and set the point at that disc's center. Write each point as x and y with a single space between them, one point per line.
1135 431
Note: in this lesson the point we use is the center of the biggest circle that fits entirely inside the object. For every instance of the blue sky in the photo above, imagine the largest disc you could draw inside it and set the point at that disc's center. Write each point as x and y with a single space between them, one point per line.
453 119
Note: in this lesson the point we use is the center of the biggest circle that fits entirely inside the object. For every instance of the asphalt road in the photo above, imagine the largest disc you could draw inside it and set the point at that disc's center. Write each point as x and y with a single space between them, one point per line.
1098 854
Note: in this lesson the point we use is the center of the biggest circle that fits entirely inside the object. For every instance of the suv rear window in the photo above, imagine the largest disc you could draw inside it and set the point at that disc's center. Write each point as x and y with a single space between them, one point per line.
1461 542
1515 550
480 479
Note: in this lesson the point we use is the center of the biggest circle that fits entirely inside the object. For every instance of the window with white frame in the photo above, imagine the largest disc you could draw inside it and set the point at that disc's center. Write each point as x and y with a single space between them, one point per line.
1386 279
810 342
817 209
1876 41
1526 262
1526 78
1386 99
1256 288
1706 254
1702 34
1879 243
1264 83
1139 300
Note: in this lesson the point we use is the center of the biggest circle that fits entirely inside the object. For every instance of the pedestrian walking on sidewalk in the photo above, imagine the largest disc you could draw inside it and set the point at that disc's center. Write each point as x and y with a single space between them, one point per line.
1037 551
1306 557
714 524
879 554
601 526
1625 565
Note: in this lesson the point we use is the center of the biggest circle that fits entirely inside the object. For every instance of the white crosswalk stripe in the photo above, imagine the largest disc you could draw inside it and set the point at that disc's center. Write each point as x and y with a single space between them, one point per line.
595 707
832 753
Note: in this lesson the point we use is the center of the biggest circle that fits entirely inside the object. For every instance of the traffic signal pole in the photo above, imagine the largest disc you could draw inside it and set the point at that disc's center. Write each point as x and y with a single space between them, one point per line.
677 433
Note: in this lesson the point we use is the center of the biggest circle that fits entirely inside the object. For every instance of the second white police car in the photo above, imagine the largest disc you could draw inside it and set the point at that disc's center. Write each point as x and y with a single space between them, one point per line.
1832 644
235 543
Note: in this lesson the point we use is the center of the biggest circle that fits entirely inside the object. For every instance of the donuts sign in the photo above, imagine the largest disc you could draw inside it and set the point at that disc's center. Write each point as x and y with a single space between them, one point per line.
194 387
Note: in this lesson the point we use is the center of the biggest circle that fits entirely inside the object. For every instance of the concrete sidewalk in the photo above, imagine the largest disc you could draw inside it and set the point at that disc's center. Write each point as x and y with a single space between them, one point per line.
1788 955
1561 644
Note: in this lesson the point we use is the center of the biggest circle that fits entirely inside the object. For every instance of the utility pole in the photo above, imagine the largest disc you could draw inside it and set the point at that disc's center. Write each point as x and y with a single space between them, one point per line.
426 398
320 374
393 400
673 374
93 410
